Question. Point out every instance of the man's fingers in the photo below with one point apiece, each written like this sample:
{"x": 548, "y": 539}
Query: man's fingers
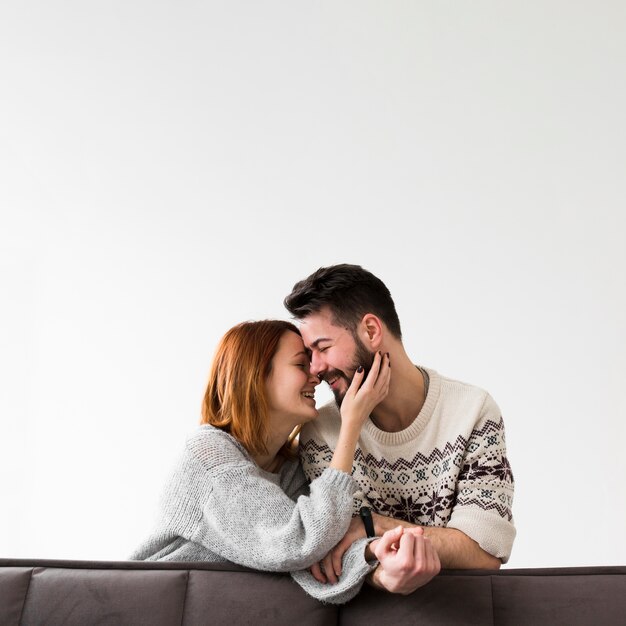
{"x": 384, "y": 545}
{"x": 413, "y": 565}
{"x": 406, "y": 549}
{"x": 419, "y": 550}
{"x": 426, "y": 557}
{"x": 432, "y": 558}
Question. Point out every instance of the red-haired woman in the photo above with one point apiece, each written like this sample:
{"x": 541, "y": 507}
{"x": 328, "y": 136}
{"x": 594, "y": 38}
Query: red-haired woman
{"x": 238, "y": 492}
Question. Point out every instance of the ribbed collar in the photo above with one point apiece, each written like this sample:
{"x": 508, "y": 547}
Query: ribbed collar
{"x": 419, "y": 423}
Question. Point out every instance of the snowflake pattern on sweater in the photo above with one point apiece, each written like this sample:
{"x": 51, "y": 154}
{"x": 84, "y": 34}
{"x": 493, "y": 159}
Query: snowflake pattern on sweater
{"x": 449, "y": 468}
{"x": 430, "y": 484}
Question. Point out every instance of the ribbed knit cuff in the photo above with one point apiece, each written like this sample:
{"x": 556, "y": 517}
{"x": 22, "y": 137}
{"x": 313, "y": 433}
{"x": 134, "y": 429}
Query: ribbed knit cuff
{"x": 492, "y": 533}
{"x": 339, "y": 480}
{"x": 354, "y": 571}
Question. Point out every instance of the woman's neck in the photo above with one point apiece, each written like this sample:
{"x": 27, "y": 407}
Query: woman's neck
{"x": 271, "y": 461}
{"x": 270, "y": 465}
{"x": 279, "y": 427}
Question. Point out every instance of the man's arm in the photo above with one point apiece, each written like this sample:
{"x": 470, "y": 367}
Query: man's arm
{"x": 455, "y": 549}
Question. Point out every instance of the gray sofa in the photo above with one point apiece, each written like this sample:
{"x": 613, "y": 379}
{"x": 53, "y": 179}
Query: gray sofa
{"x": 82, "y": 593}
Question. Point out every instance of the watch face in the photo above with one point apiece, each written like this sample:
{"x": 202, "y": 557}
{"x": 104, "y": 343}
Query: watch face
{"x": 366, "y": 516}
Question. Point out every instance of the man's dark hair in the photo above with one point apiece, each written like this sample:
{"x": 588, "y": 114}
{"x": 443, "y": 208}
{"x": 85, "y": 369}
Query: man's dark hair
{"x": 349, "y": 292}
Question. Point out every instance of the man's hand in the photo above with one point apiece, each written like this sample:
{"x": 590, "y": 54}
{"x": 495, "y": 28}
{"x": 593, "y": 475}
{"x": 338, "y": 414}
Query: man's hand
{"x": 407, "y": 560}
{"x": 329, "y": 568}
{"x": 455, "y": 549}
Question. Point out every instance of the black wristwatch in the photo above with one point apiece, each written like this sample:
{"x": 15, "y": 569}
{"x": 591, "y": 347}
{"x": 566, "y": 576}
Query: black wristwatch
{"x": 366, "y": 515}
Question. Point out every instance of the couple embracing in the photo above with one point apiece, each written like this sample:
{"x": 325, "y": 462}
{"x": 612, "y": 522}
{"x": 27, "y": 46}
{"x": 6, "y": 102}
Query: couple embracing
{"x": 403, "y": 474}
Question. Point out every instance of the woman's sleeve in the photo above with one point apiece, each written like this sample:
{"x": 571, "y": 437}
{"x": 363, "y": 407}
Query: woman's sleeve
{"x": 354, "y": 571}
{"x": 248, "y": 519}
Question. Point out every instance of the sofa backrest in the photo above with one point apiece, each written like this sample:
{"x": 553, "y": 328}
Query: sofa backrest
{"x": 525, "y": 597}
{"x": 82, "y": 593}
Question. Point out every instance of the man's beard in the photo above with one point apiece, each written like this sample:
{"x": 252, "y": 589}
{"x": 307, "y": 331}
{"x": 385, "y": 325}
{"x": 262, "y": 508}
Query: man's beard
{"x": 362, "y": 356}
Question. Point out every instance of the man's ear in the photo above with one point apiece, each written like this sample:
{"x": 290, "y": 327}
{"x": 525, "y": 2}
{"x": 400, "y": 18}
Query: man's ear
{"x": 371, "y": 331}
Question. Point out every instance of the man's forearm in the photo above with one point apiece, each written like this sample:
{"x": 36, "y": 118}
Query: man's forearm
{"x": 455, "y": 549}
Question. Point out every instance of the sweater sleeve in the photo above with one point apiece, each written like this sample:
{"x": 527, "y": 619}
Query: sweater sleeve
{"x": 484, "y": 494}
{"x": 354, "y": 570}
{"x": 248, "y": 519}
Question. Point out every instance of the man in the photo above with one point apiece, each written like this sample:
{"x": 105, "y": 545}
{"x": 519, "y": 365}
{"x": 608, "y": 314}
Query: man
{"x": 432, "y": 453}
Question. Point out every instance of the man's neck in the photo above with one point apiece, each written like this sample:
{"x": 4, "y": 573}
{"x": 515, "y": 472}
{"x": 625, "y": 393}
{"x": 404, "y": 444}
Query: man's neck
{"x": 405, "y": 398}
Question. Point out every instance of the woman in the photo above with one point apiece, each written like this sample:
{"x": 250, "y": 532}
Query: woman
{"x": 238, "y": 492}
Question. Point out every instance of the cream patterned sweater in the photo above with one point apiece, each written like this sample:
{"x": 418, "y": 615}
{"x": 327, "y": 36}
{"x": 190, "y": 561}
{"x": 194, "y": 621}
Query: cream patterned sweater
{"x": 448, "y": 468}
{"x": 219, "y": 505}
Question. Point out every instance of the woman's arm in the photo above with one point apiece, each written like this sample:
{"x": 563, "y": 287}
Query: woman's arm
{"x": 355, "y": 571}
{"x": 222, "y": 500}
{"x": 225, "y": 502}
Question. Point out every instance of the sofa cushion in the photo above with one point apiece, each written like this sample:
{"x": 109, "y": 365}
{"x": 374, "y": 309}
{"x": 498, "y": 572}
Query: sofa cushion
{"x": 75, "y": 597}
{"x": 81, "y": 593}
{"x": 13, "y": 587}
{"x": 447, "y": 599}
{"x": 560, "y": 596}
{"x": 194, "y": 594}
{"x": 252, "y": 598}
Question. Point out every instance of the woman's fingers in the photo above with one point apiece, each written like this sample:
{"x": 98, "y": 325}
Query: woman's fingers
{"x": 337, "y": 555}
{"x": 377, "y": 378}
{"x": 377, "y": 383}
{"x": 377, "y": 375}
{"x": 327, "y": 565}
{"x": 375, "y": 369}
{"x": 357, "y": 379}
{"x": 316, "y": 572}
{"x": 366, "y": 392}
{"x": 384, "y": 374}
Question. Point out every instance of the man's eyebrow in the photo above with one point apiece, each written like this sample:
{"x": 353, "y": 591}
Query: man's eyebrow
{"x": 317, "y": 342}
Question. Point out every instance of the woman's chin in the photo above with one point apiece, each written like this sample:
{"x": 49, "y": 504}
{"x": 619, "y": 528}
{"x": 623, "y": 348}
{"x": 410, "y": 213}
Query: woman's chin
{"x": 310, "y": 416}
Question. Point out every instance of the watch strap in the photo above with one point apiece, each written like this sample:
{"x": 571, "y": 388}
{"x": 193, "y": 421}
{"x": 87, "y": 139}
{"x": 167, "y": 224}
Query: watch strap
{"x": 366, "y": 515}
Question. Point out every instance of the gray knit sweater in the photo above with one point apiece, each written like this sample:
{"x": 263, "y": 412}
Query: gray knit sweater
{"x": 219, "y": 506}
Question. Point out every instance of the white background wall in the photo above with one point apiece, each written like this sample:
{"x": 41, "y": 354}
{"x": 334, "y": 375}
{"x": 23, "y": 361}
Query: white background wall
{"x": 168, "y": 169}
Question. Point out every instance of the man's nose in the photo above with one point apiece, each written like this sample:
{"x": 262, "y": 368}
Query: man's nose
{"x": 318, "y": 366}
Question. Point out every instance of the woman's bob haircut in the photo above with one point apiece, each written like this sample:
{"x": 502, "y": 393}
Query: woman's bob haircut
{"x": 236, "y": 396}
